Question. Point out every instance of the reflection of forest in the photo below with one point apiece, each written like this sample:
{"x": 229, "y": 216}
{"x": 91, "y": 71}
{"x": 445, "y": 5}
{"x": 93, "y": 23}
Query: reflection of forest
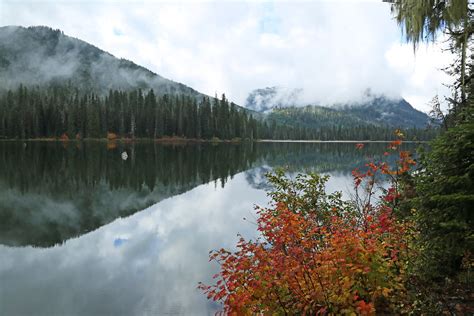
{"x": 50, "y": 192}
{"x": 322, "y": 157}
{"x": 340, "y": 158}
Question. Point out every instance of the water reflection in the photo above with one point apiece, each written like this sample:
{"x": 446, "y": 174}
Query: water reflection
{"x": 154, "y": 269}
{"x": 130, "y": 262}
{"x": 50, "y": 192}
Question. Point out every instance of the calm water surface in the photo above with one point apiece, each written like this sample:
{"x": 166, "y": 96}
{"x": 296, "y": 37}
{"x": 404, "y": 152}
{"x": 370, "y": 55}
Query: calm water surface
{"x": 85, "y": 232}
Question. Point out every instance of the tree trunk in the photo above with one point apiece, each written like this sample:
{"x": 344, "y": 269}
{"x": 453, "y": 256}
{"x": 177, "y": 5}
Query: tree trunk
{"x": 463, "y": 61}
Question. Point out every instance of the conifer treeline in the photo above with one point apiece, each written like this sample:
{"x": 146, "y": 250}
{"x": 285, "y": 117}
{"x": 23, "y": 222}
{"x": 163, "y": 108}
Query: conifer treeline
{"x": 35, "y": 113}
{"x": 43, "y": 113}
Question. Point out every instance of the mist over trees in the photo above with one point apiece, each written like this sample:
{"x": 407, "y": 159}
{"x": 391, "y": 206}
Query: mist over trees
{"x": 28, "y": 113}
{"x": 53, "y": 85}
{"x": 45, "y": 57}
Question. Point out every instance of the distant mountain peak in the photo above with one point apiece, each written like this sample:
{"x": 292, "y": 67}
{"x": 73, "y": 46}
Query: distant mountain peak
{"x": 371, "y": 108}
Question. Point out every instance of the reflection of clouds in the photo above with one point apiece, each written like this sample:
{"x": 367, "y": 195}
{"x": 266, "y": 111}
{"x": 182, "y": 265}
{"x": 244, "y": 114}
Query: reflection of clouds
{"x": 162, "y": 254}
{"x": 338, "y": 181}
{"x": 33, "y": 214}
{"x": 342, "y": 182}
{"x": 256, "y": 178}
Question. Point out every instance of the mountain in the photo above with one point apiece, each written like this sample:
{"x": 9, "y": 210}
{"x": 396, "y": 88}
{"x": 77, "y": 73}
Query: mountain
{"x": 42, "y": 56}
{"x": 281, "y": 106}
{"x": 66, "y": 93}
{"x": 392, "y": 112}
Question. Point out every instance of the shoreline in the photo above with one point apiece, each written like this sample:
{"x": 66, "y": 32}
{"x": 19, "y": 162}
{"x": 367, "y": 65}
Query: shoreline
{"x": 126, "y": 140}
{"x": 175, "y": 140}
{"x": 335, "y": 141}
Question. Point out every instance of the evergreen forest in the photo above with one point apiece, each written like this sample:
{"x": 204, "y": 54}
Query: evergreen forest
{"x": 66, "y": 113}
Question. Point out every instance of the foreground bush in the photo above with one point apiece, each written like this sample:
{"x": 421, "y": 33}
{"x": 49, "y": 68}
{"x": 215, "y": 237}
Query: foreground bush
{"x": 318, "y": 254}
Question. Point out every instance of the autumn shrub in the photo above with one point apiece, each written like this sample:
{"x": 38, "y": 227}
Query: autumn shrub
{"x": 319, "y": 254}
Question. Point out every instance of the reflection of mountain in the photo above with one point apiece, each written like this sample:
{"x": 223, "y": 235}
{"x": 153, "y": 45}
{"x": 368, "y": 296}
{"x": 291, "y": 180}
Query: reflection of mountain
{"x": 50, "y": 192}
{"x": 323, "y": 157}
{"x": 316, "y": 157}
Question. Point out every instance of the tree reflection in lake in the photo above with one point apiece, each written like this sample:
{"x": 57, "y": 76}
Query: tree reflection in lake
{"x": 50, "y": 192}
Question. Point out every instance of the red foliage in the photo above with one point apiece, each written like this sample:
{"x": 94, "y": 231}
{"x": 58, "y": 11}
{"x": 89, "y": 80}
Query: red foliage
{"x": 302, "y": 265}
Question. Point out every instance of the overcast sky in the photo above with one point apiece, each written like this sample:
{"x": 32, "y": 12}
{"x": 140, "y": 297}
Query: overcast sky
{"x": 333, "y": 50}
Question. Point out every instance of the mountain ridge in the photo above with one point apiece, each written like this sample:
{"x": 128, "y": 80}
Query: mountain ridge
{"x": 40, "y": 55}
{"x": 372, "y": 109}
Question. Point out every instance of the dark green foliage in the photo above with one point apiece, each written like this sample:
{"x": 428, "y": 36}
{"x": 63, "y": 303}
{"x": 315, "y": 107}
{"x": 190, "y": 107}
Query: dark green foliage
{"x": 445, "y": 198}
{"x": 441, "y": 193}
{"x": 306, "y": 194}
{"x": 43, "y": 113}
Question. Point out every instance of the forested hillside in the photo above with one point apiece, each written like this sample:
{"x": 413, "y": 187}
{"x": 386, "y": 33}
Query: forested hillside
{"x": 27, "y": 113}
{"x": 286, "y": 105}
{"x": 331, "y": 123}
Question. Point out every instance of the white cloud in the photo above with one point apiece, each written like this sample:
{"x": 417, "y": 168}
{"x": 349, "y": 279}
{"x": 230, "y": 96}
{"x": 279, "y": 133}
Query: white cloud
{"x": 423, "y": 72}
{"x": 334, "y": 50}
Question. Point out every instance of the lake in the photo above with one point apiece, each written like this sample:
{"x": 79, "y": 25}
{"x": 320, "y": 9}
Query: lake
{"x": 88, "y": 230}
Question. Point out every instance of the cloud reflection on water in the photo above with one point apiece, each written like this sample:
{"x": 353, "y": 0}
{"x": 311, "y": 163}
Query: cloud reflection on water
{"x": 154, "y": 272}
